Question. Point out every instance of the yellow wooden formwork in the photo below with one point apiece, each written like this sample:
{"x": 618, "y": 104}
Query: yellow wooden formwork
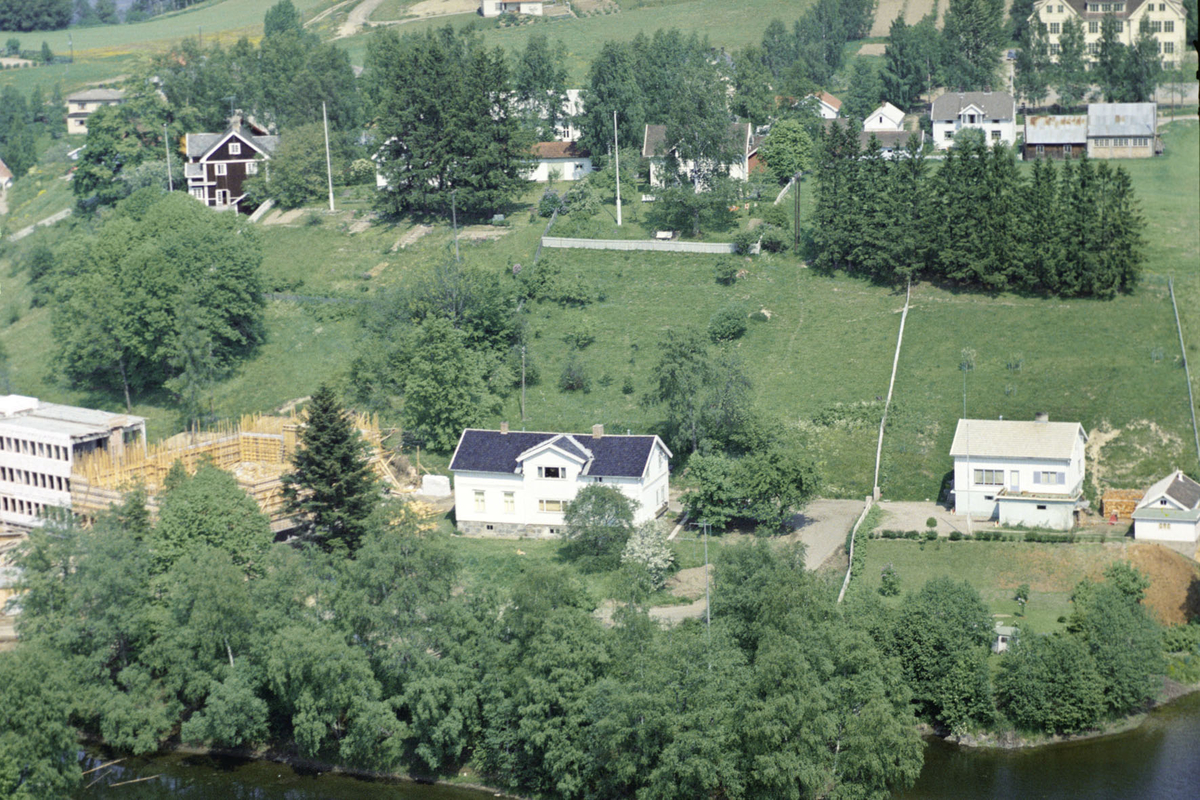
{"x": 256, "y": 450}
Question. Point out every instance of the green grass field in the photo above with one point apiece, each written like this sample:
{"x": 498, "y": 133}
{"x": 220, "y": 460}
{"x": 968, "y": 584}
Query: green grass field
{"x": 996, "y": 569}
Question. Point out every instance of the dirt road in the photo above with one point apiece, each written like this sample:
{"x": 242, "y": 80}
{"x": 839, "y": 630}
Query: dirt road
{"x": 357, "y": 18}
{"x": 823, "y": 527}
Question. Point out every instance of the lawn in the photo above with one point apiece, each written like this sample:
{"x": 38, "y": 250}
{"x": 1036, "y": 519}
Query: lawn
{"x": 995, "y": 569}
{"x": 728, "y": 25}
{"x": 223, "y": 19}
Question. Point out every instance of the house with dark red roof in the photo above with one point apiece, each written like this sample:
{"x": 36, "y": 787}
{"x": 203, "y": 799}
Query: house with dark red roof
{"x": 560, "y": 161}
{"x": 518, "y": 483}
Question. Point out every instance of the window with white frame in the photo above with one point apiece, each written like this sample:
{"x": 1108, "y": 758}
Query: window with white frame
{"x": 552, "y": 473}
{"x": 251, "y": 167}
{"x": 989, "y": 477}
{"x": 550, "y": 506}
{"x": 1169, "y": 26}
{"x": 995, "y": 136}
{"x": 480, "y": 500}
{"x": 1156, "y": 26}
{"x": 1055, "y": 28}
{"x": 1050, "y": 478}
{"x": 1093, "y": 27}
{"x": 1164, "y": 526}
{"x": 221, "y": 169}
{"x": 510, "y": 503}
{"x": 222, "y": 197}
{"x": 235, "y": 148}
{"x": 1054, "y": 48}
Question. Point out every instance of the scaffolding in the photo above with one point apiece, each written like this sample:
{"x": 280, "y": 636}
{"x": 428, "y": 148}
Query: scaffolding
{"x": 256, "y": 450}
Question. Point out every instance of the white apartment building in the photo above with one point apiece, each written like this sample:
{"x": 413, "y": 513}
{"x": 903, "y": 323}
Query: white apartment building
{"x": 1167, "y": 19}
{"x": 39, "y": 444}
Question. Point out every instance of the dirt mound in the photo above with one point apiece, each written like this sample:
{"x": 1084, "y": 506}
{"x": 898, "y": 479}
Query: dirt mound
{"x": 1171, "y": 596}
{"x": 687, "y": 583}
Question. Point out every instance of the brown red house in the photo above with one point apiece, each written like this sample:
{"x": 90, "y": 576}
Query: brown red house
{"x": 219, "y": 163}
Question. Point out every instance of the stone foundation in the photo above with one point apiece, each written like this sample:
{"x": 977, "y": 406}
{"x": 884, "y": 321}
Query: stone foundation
{"x": 508, "y": 530}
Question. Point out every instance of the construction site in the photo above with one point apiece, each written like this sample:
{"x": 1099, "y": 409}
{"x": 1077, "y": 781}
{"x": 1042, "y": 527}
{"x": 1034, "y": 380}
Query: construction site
{"x": 257, "y": 450}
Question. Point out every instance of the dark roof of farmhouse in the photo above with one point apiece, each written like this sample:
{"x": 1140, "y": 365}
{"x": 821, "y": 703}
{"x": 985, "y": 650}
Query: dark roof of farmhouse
{"x": 654, "y": 143}
{"x": 994, "y": 105}
{"x": 493, "y": 451}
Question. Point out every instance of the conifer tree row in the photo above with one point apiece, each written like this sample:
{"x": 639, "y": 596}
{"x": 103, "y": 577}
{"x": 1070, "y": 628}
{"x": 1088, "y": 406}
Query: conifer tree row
{"x": 976, "y": 220}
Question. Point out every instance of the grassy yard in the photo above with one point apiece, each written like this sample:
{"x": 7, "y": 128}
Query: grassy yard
{"x": 996, "y": 569}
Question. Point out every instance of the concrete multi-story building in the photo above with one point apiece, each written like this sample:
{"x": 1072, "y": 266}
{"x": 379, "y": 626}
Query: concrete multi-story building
{"x": 1167, "y": 20}
{"x": 81, "y": 105}
{"x": 39, "y": 445}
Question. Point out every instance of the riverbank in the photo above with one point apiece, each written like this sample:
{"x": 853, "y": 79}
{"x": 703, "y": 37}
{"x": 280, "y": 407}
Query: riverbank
{"x": 1012, "y": 740}
{"x": 309, "y": 766}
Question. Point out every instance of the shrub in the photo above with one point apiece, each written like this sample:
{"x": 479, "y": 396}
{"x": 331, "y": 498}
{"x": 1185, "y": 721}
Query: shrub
{"x": 648, "y": 548}
{"x": 581, "y": 334}
{"x": 727, "y": 324}
{"x": 550, "y": 201}
{"x": 744, "y": 242}
{"x": 627, "y": 386}
{"x": 889, "y": 581}
{"x": 726, "y": 272}
{"x": 777, "y": 216}
{"x": 931, "y": 523}
{"x": 773, "y": 239}
{"x": 955, "y": 536}
{"x": 574, "y": 377}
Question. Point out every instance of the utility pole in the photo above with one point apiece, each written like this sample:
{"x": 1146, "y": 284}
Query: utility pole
{"x": 454, "y": 218}
{"x": 167, "y": 147}
{"x": 966, "y": 365}
{"x": 707, "y": 600}
{"x": 522, "y": 386}
{"x": 617, "y": 156}
{"x": 328, "y": 160}
{"x": 71, "y": 44}
{"x": 796, "y": 210}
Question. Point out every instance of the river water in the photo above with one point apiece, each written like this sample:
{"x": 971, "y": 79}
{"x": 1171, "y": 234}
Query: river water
{"x": 1160, "y": 760}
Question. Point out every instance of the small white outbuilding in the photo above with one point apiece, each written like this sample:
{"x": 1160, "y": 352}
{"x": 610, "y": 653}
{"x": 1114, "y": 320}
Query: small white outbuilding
{"x": 1170, "y": 510}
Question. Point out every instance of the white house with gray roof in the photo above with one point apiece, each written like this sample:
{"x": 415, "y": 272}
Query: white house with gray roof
{"x": 994, "y": 113}
{"x": 1169, "y": 511}
{"x": 518, "y": 483}
{"x": 1019, "y": 472}
{"x": 39, "y": 443}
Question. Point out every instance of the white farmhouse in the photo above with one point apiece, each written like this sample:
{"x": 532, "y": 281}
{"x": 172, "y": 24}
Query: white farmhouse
{"x": 994, "y": 113}
{"x": 827, "y": 106}
{"x": 1170, "y": 510}
{"x": 743, "y": 147}
{"x": 1019, "y": 472}
{"x": 510, "y": 483}
{"x": 39, "y": 443}
{"x": 494, "y": 8}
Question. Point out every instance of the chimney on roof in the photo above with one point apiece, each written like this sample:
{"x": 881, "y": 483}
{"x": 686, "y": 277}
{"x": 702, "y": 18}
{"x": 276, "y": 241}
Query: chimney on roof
{"x": 1041, "y": 416}
{"x": 597, "y": 431}
{"x": 504, "y": 429}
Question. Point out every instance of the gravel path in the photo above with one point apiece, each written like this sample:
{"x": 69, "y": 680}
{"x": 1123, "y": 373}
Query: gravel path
{"x": 823, "y": 527}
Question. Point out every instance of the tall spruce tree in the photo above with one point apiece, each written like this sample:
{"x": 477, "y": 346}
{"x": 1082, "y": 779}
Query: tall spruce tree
{"x": 835, "y": 216}
{"x": 974, "y": 33}
{"x": 331, "y": 489}
{"x": 1070, "y": 78}
{"x": 1110, "y": 68}
{"x": 1032, "y": 80}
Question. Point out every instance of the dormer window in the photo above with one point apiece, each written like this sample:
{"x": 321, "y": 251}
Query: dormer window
{"x": 552, "y": 473}
{"x": 235, "y": 148}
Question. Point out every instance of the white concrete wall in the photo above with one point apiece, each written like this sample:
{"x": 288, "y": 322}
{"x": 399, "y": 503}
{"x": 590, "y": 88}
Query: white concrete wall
{"x": 570, "y": 169}
{"x": 1165, "y": 531}
{"x": 1031, "y": 514}
{"x": 1006, "y": 128}
{"x": 35, "y": 468}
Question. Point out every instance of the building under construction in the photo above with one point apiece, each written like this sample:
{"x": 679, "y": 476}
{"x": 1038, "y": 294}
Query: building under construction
{"x": 257, "y": 450}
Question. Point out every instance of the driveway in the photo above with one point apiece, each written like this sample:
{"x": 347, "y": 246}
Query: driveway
{"x": 906, "y": 516}
{"x": 823, "y": 527}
